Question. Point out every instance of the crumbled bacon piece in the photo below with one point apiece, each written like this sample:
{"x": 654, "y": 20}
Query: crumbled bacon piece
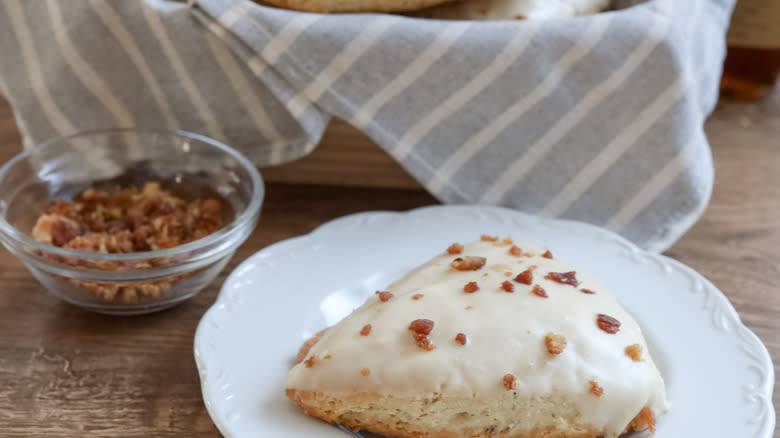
{"x": 525, "y": 277}
{"x": 507, "y": 286}
{"x": 547, "y": 254}
{"x": 507, "y": 240}
{"x": 384, "y": 296}
{"x": 421, "y": 328}
{"x": 455, "y": 248}
{"x": 515, "y": 251}
{"x": 569, "y": 278}
{"x": 555, "y": 343}
{"x": 327, "y": 356}
{"x": 634, "y": 351}
{"x": 63, "y": 231}
{"x": 650, "y": 419}
{"x": 460, "y": 338}
{"x": 587, "y": 291}
{"x": 510, "y": 382}
{"x": 644, "y": 420}
{"x": 608, "y": 323}
{"x": 311, "y": 361}
{"x": 468, "y": 263}
{"x": 365, "y": 372}
{"x": 471, "y": 287}
{"x": 486, "y": 238}
{"x": 539, "y": 291}
{"x": 595, "y": 389}
{"x": 366, "y": 330}
{"x": 423, "y": 342}
{"x": 417, "y": 296}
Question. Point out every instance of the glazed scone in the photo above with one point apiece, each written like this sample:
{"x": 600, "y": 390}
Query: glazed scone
{"x": 490, "y": 339}
{"x": 513, "y": 9}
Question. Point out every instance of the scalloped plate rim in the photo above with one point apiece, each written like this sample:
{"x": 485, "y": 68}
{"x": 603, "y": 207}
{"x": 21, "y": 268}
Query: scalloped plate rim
{"x": 723, "y": 302}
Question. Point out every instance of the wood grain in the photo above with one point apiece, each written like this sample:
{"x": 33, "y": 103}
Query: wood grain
{"x": 345, "y": 157}
{"x": 65, "y": 372}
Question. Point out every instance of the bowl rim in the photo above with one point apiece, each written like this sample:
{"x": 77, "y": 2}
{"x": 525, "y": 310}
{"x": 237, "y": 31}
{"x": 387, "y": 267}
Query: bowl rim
{"x": 246, "y": 216}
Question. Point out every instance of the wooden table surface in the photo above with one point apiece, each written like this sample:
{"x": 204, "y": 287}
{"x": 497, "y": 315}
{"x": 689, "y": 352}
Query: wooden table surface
{"x": 65, "y": 372}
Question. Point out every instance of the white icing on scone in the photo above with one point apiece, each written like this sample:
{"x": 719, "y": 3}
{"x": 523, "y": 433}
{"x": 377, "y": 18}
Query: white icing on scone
{"x": 505, "y": 335}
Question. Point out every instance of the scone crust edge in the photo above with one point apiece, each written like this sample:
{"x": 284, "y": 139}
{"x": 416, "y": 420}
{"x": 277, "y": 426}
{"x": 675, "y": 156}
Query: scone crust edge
{"x": 356, "y": 6}
{"x": 328, "y": 409}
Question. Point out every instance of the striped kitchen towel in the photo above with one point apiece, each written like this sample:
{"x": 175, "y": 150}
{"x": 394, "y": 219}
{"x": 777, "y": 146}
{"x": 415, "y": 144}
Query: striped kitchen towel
{"x": 595, "y": 118}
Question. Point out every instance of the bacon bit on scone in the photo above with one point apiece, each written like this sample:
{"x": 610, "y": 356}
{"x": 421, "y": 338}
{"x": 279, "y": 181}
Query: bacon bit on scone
{"x": 525, "y": 277}
{"x": 421, "y": 328}
{"x": 507, "y": 241}
{"x": 417, "y": 296}
{"x": 634, "y": 352}
{"x": 515, "y": 251}
{"x": 384, "y": 296}
{"x": 510, "y": 382}
{"x": 555, "y": 343}
{"x": 423, "y": 342}
{"x": 365, "y": 372}
{"x": 468, "y": 263}
{"x": 311, "y": 361}
{"x": 486, "y": 238}
{"x": 644, "y": 420}
{"x": 508, "y": 287}
{"x": 455, "y": 248}
{"x": 569, "y": 278}
{"x": 366, "y": 330}
{"x": 595, "y": 389}
{"x": 547, "y": 254}
{"x": 539, "y": 291}
{"x": 608, "y": 323}
{"x": 471, "y": 287}
{"x": 588, "y": 291}
{"x": 327, "y": 356}
{"x": 461, "y": 339}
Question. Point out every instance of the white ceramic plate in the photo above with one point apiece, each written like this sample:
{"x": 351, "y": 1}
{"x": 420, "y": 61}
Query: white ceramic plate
{"x": 719, "y": 375}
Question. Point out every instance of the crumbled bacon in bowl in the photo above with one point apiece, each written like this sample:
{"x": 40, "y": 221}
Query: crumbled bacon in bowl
{"x": 128, "y": 221}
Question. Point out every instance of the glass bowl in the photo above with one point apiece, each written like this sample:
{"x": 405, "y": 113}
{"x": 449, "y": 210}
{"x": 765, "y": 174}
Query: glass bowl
{"x": 134, "y": 282}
